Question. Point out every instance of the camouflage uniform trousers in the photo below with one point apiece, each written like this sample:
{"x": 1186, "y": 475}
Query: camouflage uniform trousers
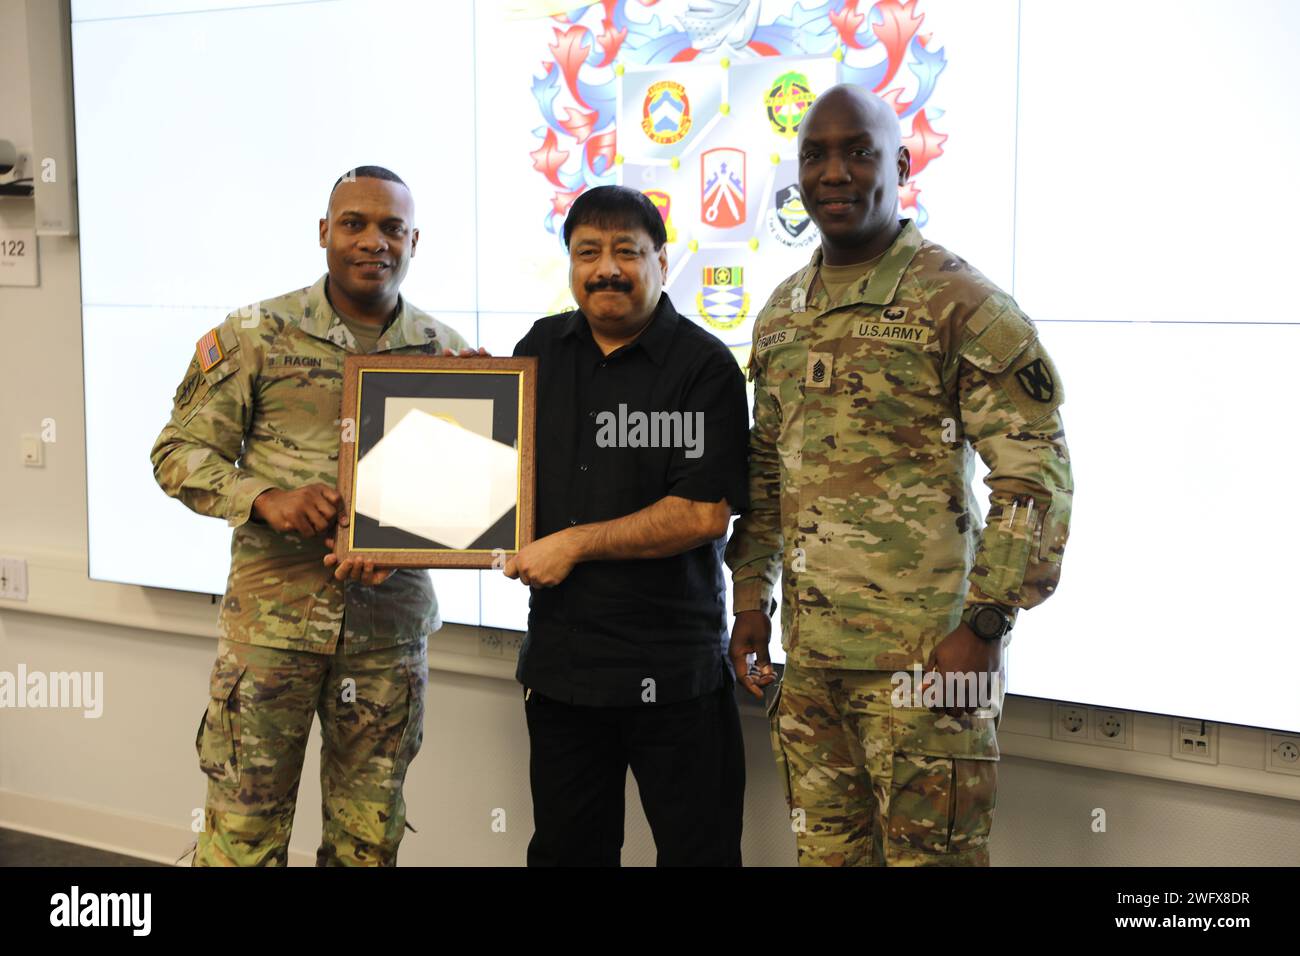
{"x": 870, "y": 784}
{"x": 253, "y": 738}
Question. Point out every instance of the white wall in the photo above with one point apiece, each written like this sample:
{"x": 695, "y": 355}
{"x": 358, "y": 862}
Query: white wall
{"x": 130, "y": 780}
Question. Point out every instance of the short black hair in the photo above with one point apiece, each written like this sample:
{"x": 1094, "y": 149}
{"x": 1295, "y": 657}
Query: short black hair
{"x": 616, "y": 207}
{"x": 368, "y": 172}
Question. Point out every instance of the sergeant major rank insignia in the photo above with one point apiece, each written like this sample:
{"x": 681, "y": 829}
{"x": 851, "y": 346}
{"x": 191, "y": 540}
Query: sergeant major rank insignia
{"x": 818, "y": 373}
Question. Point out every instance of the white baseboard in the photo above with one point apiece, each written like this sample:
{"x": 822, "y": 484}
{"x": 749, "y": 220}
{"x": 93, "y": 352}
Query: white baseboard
{"x": 100, "y": 829}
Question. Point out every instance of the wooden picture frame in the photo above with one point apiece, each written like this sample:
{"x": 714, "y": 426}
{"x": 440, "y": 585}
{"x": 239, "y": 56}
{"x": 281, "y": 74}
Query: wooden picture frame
{"x": 496, "y": 397}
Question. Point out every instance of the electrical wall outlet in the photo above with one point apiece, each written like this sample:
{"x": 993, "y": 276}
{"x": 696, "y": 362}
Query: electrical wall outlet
{"x": 489, "y": 643}
{"x": 1283, "y": 754}
{"x": 1195, "y": 740}
{"x": 33, "y": 454}
{"x": 511, "y": 644}
{"x": 13, "y": 579}
{"x": 1111, "y": 728}
{"x": 1069, "y": 722}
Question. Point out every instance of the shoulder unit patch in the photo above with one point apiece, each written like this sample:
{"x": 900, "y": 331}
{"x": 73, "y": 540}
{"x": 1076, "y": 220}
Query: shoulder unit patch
{"x": 1037, "y": 380}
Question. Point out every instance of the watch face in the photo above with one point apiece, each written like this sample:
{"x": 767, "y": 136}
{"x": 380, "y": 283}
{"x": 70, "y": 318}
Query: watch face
{"x": 989, "y": 622}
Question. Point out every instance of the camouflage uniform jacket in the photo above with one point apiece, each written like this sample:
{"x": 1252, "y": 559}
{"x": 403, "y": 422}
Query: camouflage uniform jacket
{"x": 259, "y": 408}
{"x": 865, "y": 413}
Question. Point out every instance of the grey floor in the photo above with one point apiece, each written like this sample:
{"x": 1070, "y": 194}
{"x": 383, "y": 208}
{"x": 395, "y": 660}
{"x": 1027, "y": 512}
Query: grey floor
{"x": 24, "y": 849}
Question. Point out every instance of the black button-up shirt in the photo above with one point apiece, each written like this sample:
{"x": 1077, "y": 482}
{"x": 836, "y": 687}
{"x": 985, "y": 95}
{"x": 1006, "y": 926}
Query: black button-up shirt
{"x": 612, "y": 627}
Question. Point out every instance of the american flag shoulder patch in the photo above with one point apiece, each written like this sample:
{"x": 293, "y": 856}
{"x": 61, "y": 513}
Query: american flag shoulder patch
{"x": 209, "y": 351}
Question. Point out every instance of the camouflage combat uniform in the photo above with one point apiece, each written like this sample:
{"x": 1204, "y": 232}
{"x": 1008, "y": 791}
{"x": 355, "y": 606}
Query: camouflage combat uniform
{"x": 259, "y": 408}
{"x": 865, "y": 413}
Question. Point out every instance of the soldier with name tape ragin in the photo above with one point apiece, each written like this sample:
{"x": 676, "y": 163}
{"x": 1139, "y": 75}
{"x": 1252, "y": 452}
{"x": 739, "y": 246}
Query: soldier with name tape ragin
{"x": 879, "y": 370}
{"x": 254, "y": 439}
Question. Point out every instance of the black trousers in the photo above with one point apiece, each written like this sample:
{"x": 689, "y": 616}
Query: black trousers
{"x": 689, "y": 762}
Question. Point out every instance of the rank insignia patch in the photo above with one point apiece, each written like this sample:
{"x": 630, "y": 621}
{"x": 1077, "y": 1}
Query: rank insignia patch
{"x": 818, "y": 374}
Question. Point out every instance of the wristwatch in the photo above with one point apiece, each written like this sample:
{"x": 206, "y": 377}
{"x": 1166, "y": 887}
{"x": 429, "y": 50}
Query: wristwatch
{"x": 988, "y": 621}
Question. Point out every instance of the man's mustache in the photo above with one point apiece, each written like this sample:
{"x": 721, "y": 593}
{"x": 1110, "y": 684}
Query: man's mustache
{"x": 607, "y": 285}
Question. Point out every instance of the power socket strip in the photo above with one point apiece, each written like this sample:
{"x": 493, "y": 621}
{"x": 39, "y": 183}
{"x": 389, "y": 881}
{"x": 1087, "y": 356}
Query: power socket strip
{"x": 1099, "y": 726}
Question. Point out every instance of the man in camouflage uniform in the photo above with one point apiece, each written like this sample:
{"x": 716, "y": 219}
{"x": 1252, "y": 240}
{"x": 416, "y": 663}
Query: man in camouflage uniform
{"x": 254, "y": 438}
{"x": 877, "y": 368}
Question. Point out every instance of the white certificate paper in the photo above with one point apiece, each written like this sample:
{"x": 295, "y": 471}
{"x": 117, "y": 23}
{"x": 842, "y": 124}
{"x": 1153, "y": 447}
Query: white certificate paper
{"x": 437, "y": 480}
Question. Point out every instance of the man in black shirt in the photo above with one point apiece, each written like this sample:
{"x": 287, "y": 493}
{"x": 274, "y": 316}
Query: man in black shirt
{"x": 641, "y": 459}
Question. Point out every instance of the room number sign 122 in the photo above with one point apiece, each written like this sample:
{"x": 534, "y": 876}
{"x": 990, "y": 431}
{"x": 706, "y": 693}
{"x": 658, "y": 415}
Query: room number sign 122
{"x": 18, "y": 257}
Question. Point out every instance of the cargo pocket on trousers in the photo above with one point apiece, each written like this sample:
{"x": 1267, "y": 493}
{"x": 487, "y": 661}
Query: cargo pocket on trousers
{"x": 217, "y": 740}
{"x": 412, "y": 736}
{"x": 944, "y": 781}
{"x": 974, "y": 788}
{"x": 920, "y": 808}
{"x": 941, "y": 804}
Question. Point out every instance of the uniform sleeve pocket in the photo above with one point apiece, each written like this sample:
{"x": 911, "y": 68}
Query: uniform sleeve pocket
{"x": 1009, "y": 353}
{"x": 1000, "y": 567}
{"x": 1054, "y": 528}
{"x": 199, "y": 388}
{"x": 1003, "y": 337}
{"x": 217, "y": 740}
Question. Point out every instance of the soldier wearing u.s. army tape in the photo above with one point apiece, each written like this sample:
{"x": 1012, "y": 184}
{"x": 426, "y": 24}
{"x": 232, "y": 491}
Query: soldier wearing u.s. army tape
{"x": 254, "y": 438}
{"x": 877, "y": 369}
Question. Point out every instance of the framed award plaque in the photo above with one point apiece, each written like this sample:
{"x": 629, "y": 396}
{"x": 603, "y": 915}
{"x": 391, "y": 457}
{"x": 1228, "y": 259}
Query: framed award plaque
{"x": 436, "y": 460}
